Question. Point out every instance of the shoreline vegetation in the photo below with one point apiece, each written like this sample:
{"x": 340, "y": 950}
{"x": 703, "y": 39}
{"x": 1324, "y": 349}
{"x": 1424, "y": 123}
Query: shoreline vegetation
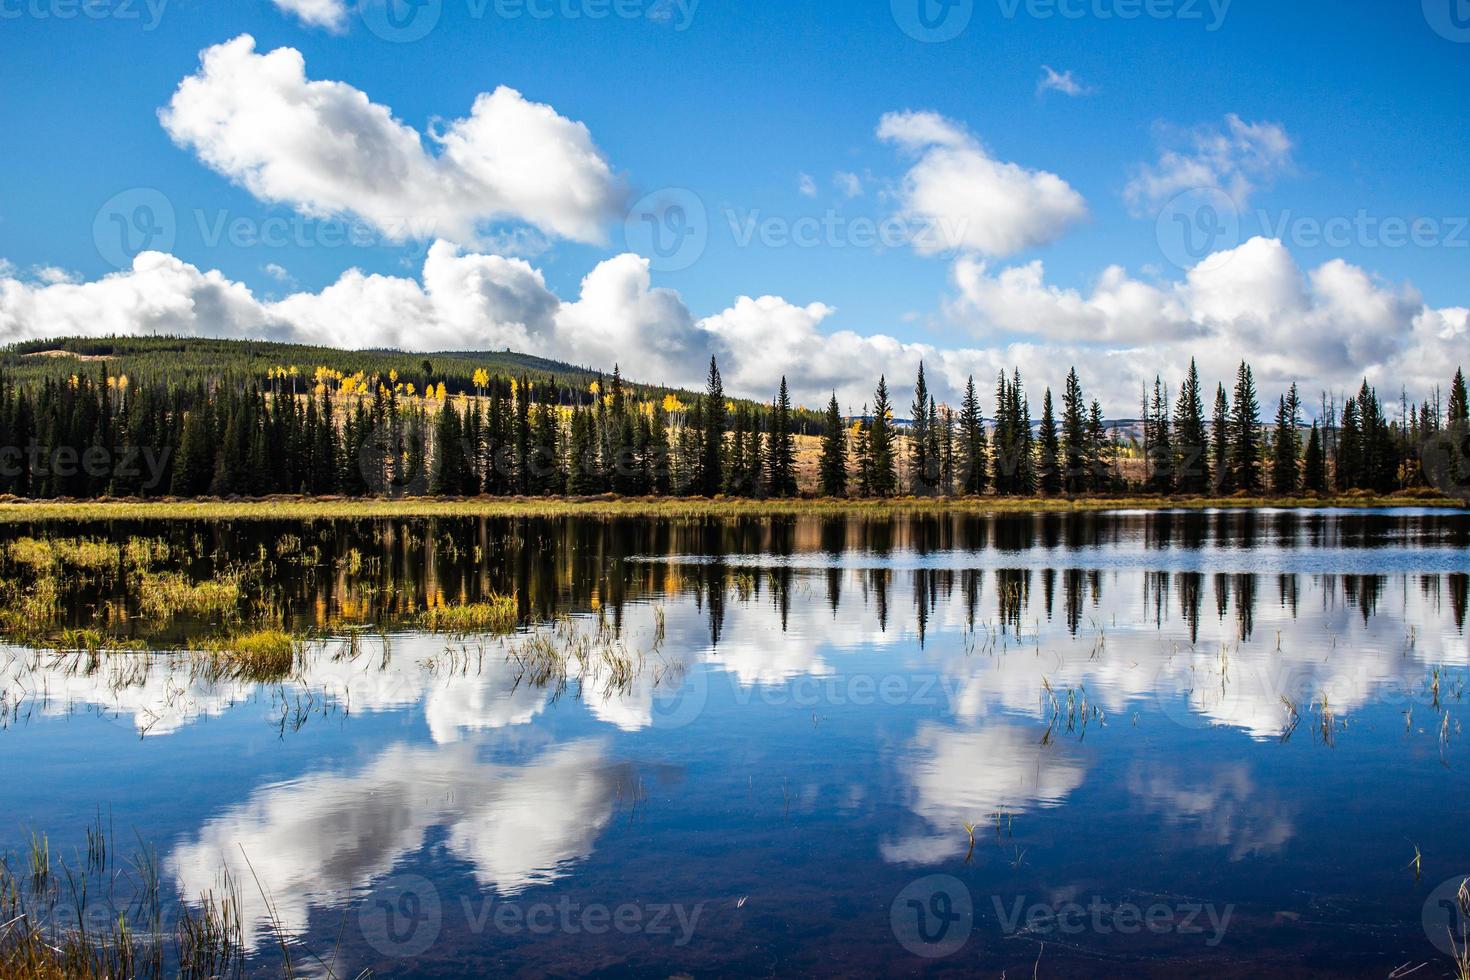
{"x": 297, "y": 508}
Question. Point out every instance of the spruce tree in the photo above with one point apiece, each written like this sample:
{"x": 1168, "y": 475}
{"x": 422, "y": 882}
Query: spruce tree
{"x": 1286, "y": 446}
{"x": 783, "y": 446}
{"x": 1160, "y": 443}
{"x": 1074, "y": 436}
{"x": 975, "y": 467}
{"x": 884, "y": 479}
{"x": 755, "y": 457}
{"x": 1101, "y": 451}
{"x": 712, "y": 463}
{"x": 1190, "y": 439}
{"x": 862, "y": 450}
{"x": 1315, "y": 476}
{"x": 195, "y": 466}
{"x": 448, "y": 476}
{"x": 1220, "y": 443}
{"x": 1459, "y": 408}
{"x": 921, "y": 466}
{"x": 834, "y": 452}
{"x": 1245, "y": 434}
{"x": 1049, "y": 474}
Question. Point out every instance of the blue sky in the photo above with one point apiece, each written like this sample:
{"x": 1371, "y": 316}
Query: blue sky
{"x": 734, "y": 104}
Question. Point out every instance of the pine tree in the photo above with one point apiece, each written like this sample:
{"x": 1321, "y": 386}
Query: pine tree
{"x": 783, "y": 446}
{"x": 975, "y": 467}
{"x": 1220, "y": 443}
{"x": 1101, "y": 451}
{"x": 1074, "y": 437}
{"x": 884, "y": 479}
{"x": 1190, "y": 439}
{"x": 1350, "y": 448}
{"x": 1459, "y": 408}
{"x": 1160, "y": 442}
{"x": 195, "y": 466}
{"x": 712, "y": 464}
{"x": 1286, "y": 446}
{"x": 755, "y": 457}
{"x": 582, "y": 475}
{"x": 862, "y": 450}
{"x": 921, "y": 466}
{"x": 834, "y": 452}
{"x": 1245, "y": 434}
{"x": 1049, "y": 468}
{"x": 1315, "y": 475}
{"x": 448, "y": 478}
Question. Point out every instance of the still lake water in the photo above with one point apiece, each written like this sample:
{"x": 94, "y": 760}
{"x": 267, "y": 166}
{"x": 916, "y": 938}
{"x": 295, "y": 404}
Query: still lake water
{"x": 1186, "y": 743}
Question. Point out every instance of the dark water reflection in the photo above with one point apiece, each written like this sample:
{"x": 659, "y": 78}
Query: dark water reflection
{"x": 1209, "y": 742}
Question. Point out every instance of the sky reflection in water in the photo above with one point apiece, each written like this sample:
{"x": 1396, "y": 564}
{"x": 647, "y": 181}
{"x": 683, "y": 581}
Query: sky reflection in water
{"x": 1258, "y": 715}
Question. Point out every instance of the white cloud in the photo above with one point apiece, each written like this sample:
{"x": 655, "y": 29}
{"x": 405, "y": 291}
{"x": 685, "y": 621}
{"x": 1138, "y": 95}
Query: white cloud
{"x": 850, "y": 185}
{"x": 1235, "y": 160}
{"x": 324, "y": 149}
{"x": 807, "y": 185}
{"x": 278, "y": 272}
{"x": 1325, "y": 327}
{"x": 1064, "y": 82}
{"x": 329, "y": 14}
{"x": 52, "y": 275}
{"x": 970, "y": 201}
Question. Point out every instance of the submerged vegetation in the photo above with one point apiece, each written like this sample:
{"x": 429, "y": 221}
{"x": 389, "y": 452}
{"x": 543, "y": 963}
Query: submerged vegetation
{"x": 96, "y": 917}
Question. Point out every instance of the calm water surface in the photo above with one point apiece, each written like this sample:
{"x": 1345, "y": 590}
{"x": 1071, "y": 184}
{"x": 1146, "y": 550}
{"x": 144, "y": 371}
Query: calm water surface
{"x": 1112, "y": 744}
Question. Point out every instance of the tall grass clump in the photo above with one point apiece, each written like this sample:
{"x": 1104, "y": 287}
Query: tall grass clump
{"x": 164, "y": 595}
{"x": 264, "y": 655}
{"x": 497, "y": 614}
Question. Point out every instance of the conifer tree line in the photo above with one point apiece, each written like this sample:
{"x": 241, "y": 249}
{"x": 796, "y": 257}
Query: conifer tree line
{"x": 96, "y": 434}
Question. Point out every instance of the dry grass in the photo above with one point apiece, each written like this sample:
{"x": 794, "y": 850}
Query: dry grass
{"x": 299, "y": 508}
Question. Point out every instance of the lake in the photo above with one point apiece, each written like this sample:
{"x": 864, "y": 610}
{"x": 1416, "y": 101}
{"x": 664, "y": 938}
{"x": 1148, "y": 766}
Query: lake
{"x": 1117, "y": 744}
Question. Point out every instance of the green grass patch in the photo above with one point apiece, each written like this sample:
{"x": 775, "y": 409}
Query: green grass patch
{"x": 498, "y": 614}
{"x": 263, "y": 655}
{"x": 164, "y": 595}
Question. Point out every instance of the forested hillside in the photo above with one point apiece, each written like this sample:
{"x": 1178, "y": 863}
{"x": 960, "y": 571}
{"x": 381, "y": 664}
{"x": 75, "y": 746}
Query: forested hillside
{"x": 159, "y": 417}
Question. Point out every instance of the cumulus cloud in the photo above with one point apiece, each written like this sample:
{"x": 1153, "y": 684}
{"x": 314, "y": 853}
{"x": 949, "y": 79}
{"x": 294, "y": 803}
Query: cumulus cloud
{"x": 970, "y": 201}
{"x": 1324, "y": 327}
{"x": 1328, "y": 326}
{"x": 1064, "y": 82}
{"x": 850, "y": 185}
{"x": 329, "y": 14}
{"x": 325, "y": 149}
{"x": 806, "y": 185}
{"x": 1236, "y": 160}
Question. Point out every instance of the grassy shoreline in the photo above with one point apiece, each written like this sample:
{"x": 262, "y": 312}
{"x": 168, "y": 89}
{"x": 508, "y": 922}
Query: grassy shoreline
{"x": 301, "y": 509}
